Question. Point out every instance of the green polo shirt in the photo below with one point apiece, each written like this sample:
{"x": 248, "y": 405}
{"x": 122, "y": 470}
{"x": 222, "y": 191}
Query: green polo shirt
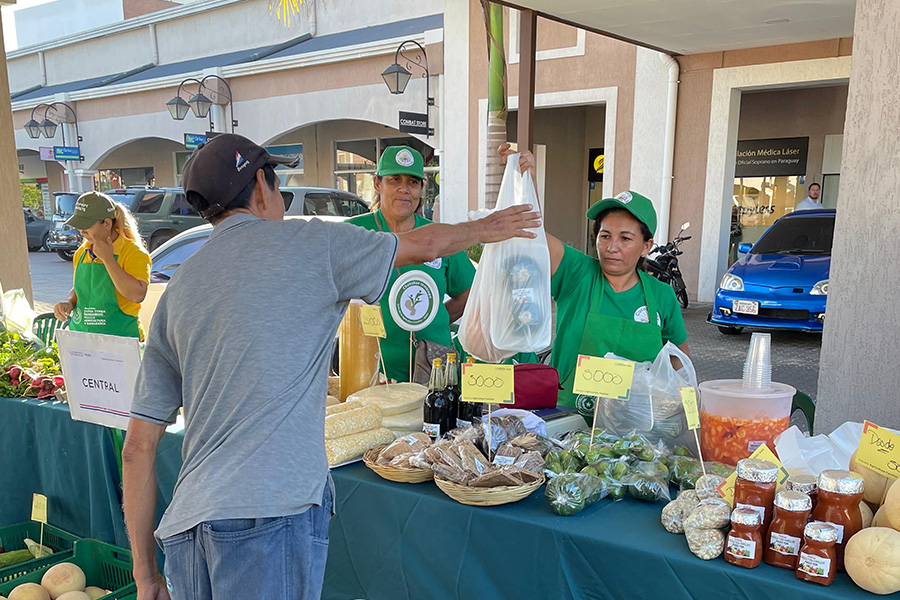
{"x": 453, "y": 275}
{"x": 572, "y": 288}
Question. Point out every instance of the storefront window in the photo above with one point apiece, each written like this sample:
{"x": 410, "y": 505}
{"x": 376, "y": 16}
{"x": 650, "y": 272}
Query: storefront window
{"x": 758, "y": 202}
{"x": 110, "y": 179}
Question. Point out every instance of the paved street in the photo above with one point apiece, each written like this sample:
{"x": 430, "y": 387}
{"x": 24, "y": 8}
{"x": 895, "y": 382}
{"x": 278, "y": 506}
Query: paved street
{"x": 795, "y": 356}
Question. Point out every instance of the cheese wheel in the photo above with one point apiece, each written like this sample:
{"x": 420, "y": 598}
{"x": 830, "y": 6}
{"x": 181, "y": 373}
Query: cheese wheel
{"x": 393, "y": 399}
{"x": 411, "y": 421}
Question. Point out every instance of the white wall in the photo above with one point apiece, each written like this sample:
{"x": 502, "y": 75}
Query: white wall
{"x": 64, "y": 17}
{"x": 33, "y": 167}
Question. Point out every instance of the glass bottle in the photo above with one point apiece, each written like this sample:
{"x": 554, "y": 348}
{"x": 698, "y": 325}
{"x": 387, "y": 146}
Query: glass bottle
{"x": 840, "y": 493}
{"x": 807, "y": 484}
{"x": 451, "y": 388}
{"x": 818, "y": 557}
{"x": 744, "y": 546}
{"x": 474, "y": 410}
{"x": 785, "y": 535}
{"x": 755, "y": 487}
{"x": 436, "y": 417}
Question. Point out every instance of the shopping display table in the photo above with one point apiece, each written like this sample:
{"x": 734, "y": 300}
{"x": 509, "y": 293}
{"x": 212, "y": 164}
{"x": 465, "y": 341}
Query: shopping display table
{"x": 396, "y": 541}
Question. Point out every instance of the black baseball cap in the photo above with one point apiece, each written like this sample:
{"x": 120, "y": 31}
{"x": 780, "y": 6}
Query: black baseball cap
{"x": 219, "y": 169}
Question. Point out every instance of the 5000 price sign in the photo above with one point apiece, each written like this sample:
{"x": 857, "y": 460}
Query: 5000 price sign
{"x": 603, "y": 377}
{"x": 492, "y": 384}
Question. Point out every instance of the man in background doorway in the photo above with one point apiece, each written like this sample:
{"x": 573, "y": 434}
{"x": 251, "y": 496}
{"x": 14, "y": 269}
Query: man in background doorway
{"x": 812, "y": 201}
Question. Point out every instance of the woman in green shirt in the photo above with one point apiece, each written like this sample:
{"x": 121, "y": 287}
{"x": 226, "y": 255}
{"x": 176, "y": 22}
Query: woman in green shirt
{"x": 605, "y": 305}
{"x": 400, "y": 183}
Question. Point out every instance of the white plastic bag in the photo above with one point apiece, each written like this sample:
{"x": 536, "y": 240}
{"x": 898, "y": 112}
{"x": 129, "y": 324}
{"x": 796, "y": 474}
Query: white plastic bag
{"x": 654, "y": 408}
{"x": 509, "y": 308}
{"x": 812, "y": 455}
{"x": 16, "y": 312}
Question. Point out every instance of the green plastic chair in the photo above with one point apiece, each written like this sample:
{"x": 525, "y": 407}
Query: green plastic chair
{"x": 805, "y": 404}
{"x": 45, "y": 326}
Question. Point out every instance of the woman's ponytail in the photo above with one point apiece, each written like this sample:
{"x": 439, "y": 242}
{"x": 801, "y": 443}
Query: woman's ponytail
{"x": 127, "y": 226}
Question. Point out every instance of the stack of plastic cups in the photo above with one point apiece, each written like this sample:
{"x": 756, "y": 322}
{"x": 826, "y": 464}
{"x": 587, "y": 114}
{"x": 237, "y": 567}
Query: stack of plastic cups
{"x": 758, "y": 366}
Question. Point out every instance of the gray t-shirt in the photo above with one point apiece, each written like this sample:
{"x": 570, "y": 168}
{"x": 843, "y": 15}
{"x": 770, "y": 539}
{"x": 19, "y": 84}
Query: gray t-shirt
{"x": 242, "y": 338}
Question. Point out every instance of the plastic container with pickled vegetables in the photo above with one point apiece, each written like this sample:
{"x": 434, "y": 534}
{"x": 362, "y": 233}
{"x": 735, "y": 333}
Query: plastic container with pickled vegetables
{"x": 735, "y": 421}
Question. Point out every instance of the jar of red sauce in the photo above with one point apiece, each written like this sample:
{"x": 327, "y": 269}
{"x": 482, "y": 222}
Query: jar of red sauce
{"x": 785, "y": 536}
{"x": 806, "y": 484}
{"x": 755, "y": 487}
{"x": 818, "y": 557}
{"x": 744, "y": 545}
{"x": 840, "y": 493}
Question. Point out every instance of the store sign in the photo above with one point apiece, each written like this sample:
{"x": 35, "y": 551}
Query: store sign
{"x": 771, "y": 158}
{"x": 100, "y": 372}
{"x": 46, "y": 153}
{"x": 46, "y": 200}
{"x": 595, "y": 165}
{"x": 192, "y": 141}
{"x": 66, "y": 153}
{"x": 413, "y": 123}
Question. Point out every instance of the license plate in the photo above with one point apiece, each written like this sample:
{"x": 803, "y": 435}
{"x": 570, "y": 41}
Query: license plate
{"x": 60, "y": 224}
{"x": 745, "y": 307}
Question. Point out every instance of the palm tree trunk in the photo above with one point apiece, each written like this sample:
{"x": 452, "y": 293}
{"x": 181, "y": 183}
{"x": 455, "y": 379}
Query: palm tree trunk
{"x": 497, "y": 106}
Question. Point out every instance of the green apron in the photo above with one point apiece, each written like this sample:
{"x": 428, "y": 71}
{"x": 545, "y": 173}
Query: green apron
{"x": 97, "y": 311}
{"x": 627, "y": 338}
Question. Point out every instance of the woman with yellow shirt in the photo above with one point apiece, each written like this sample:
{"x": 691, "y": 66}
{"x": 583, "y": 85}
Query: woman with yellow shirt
{"x": 112, "y": 270}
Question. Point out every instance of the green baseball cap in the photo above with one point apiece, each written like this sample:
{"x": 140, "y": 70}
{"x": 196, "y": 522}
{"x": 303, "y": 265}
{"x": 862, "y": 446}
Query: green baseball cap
{"x": 401, "y": 160}
{"x": 639, "y": 206}
{"x": 90, "y": 208}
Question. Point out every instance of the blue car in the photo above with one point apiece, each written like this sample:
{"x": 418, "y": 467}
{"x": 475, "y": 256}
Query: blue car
{"x": 781, "y": 281}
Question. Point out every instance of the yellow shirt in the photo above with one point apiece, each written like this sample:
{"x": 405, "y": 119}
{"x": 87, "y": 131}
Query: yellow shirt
{"x": 131, "y": 257}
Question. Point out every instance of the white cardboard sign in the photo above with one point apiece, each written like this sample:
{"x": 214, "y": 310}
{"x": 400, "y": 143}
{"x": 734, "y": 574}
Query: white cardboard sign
{"x": 100, "y": 371}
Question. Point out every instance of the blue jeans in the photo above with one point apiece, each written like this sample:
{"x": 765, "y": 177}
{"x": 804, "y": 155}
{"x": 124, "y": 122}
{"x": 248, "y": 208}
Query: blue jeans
{"x": 280, "y": 558}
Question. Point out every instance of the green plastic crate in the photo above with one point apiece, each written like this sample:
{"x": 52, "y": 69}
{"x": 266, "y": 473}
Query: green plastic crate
{"x": 104, "y": 565}
{"x": 12, "y": 538}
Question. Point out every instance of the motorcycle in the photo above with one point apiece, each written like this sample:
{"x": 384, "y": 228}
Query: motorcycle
{"x": 664, "y": 265}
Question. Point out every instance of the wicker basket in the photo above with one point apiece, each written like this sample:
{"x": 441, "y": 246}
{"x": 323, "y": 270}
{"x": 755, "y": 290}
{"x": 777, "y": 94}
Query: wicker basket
{"x": 393, "y": 473}
{"x": 494, "y": 496}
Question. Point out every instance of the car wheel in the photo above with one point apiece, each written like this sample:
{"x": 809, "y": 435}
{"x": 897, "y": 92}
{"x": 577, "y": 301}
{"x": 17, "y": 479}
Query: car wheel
{"x": 66, "y": 254}
{"x": 44, "y": 241}
{"x": 730, "y": 330}
{"x": 158, "y": 239}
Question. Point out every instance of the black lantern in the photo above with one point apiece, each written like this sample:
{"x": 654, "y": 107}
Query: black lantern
{"x": 48, "y": 128}
{"x": 200, "y": 105}
{"x": 396, "y": 78}
{"x": 33, "y": 129}
{"x": 178, "y": 108}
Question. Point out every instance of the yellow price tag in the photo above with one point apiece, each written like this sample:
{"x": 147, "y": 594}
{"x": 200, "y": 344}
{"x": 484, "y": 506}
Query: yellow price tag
{"x": 763, "y": 452}
{"x": 39, "y": 508}
{"x": 691, "y": 411}
{"x": 490, "y": 384}
{"x": 603, "y": 377}
{"x": 879, "y": 449}
{"x": 372, "y": 322}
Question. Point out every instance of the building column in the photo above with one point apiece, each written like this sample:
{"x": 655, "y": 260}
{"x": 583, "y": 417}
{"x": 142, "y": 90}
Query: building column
{"x": 454, "y": 107}
{"x": 14, "y": 270}
{"x": 858, "y": 374}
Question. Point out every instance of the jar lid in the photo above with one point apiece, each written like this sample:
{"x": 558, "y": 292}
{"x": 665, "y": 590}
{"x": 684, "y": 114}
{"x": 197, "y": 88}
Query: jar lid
{"x": 757, "y": 470}
{"x": 746, "y": 516}
{"x": 821, "y": 532}
{"x": 793, "y": 501}
{"x": 841, "y": 482}
{"x": 801, "y": 482}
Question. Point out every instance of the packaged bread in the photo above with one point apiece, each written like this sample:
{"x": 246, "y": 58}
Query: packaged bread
{"x": 507, "y": 454}
{"x": 349, "y": 447}
{"x": 352, "y": 421}
{"x": 501, "y": 476}
{"x": 451, "y": 473}
{"x": 472, "y": 459}
{"x": 530, "y": 461}
{"x": 411, "y": 421}
{"x": 532, "y": 442}
{"x": 393, "y": 399}
{"x": 343, "y": 406}
{"x": 412, "y": 443}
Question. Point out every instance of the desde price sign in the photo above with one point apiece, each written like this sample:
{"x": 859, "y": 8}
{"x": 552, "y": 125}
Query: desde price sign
{"x": 603, "y": 377}
{"x": 39, "y": 508}
{"x": 372, "y": 321}
{"x": 879, "y": 449}
{"x": 489, "y": 384}
{"x": 691, "y": 411}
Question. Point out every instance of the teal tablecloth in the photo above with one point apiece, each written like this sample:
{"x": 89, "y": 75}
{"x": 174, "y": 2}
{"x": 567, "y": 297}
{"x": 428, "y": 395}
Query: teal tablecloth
{"x": 394, "y": 541}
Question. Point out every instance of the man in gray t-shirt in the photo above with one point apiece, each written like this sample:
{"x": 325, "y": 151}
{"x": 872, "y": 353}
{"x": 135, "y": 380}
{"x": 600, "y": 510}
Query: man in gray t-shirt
{"x": 241, "y": 340}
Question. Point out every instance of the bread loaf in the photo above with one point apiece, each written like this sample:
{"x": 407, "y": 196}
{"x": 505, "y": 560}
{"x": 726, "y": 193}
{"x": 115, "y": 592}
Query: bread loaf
{"x": 353, "y": 421}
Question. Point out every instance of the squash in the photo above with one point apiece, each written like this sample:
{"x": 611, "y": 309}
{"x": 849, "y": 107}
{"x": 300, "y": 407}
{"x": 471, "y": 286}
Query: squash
{"x": 866, "y": 513}
{"x": 875, "y": 483}
{"x": 29, "y": 591}
{"x": 879, "y": 520}
{"x": 872, "y": 559}
{"x": 892, "y": 505}
{"x": 61, "y": 578}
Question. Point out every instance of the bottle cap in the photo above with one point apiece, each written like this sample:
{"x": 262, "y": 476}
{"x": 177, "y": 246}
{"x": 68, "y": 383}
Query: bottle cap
{"x": 793, "y": 501}
{"x": 746, "y": 516}
{"x": 437, "y": 362}
{"x": 757, "y": 470}
{"x": 837, "y": 481}
{"x": 821, "y": 532}
{"x": 451, "y": 357}
{"x": 801, "y": 482}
